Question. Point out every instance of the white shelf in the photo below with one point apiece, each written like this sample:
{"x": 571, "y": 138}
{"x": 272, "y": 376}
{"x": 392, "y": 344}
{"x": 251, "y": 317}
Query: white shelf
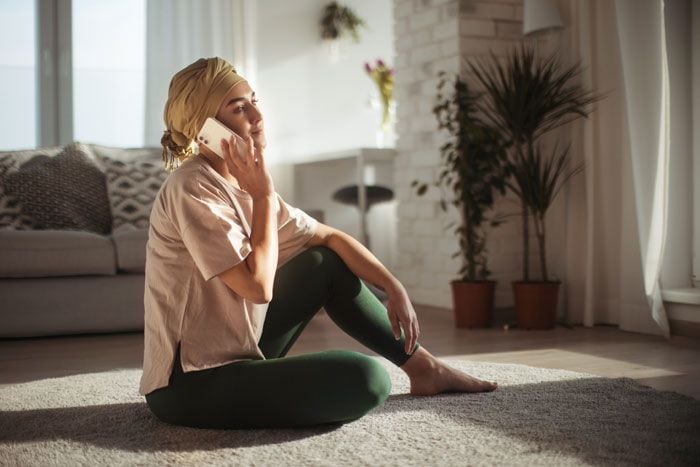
{"x": 368, "y": 155}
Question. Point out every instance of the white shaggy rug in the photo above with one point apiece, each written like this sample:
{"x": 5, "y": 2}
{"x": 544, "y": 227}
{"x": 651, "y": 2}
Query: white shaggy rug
{"x": 537, "y": 416}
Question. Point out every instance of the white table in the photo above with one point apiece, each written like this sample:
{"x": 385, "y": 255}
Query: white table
{"x": 318, "y": 176}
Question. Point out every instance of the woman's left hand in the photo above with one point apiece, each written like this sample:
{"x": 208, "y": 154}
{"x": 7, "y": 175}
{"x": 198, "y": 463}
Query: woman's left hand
{"x": 402, "y": 315}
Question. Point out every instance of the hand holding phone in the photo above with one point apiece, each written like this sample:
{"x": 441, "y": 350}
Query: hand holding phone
{"x": 245, "y": 162}
{"x": 213, "y": 131}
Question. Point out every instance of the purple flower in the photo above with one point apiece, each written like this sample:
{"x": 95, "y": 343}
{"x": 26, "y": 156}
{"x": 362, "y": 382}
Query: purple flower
{"x": 380, "y": 62}
{"x": 368, "y": 68}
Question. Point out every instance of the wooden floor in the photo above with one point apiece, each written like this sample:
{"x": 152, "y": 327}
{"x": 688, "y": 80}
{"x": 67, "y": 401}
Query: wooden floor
{"x": 603, "y": 350}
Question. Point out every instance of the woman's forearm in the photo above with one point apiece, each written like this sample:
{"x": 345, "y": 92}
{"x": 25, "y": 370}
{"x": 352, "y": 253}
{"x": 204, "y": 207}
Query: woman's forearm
{"x": 262, "y": 260}
{"x": 363, "y": 263}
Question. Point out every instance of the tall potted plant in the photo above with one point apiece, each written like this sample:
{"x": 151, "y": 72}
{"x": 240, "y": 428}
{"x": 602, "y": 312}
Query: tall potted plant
{"x": 526, "y": 97}
{"x": 475, "y": 168}
{"x": 537, "y": 180}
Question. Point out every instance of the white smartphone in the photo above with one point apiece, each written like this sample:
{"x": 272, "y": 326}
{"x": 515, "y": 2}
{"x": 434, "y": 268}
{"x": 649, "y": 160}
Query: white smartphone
{"x": 213, "y": 131}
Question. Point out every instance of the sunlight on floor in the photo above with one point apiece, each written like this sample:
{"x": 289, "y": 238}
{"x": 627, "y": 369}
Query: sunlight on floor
{"x": 573, "y": 361}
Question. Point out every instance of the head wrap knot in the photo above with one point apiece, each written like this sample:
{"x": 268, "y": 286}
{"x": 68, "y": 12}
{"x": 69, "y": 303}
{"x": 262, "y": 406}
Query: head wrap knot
{"x": 195, "y": 93}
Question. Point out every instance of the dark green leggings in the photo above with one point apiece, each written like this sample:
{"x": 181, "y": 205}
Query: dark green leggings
{"x": 334, "y": 386}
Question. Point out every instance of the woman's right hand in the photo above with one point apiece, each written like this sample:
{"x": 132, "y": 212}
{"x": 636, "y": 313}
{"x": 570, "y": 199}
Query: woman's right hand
{"x": 249, "y": 169}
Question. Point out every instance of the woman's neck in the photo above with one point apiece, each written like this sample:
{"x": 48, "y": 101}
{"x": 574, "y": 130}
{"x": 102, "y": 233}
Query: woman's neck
{"x": 219, "y": 165}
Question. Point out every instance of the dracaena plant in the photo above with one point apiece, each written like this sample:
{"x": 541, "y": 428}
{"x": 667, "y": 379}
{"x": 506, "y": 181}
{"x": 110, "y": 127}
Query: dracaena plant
{"x": 536, "y": 181}
{"x": 475, "y": 168}
{"x": 524, "y": 98}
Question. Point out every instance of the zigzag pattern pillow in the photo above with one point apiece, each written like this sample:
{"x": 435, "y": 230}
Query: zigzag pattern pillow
{"x": 11, "y": 216}
{"x": 64, "y": 192}
{"x": 132, "y": 187}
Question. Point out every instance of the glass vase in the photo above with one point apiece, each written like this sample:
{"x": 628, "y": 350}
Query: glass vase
{"x": 385, "y": 133}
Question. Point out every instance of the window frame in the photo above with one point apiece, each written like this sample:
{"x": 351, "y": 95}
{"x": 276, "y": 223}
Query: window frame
{"x": 54, "y": 72}
{"x": 695, "y": 135}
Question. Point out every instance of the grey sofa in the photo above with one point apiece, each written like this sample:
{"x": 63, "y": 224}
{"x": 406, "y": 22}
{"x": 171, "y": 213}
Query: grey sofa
{"x": 68, "y": 281}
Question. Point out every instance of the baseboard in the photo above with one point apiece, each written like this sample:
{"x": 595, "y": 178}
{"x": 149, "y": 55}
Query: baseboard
{"x": 504, "y": 316}
{"x": 684, "y": 328}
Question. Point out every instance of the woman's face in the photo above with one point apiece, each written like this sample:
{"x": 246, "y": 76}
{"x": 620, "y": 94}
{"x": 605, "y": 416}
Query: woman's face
{"x": 239, "y": 111}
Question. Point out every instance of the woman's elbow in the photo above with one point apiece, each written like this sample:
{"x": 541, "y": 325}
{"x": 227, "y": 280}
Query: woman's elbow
{"x": 264, "y": 300}
{"x": 263, "y": 296}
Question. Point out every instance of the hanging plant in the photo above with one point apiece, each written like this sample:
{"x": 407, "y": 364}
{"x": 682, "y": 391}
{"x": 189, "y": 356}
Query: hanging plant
{"x": 338, "y": 20}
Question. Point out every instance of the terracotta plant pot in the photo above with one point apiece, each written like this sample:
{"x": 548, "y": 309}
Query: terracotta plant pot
{"x": 536, "y": 303}
{"x": 473, "y": 303}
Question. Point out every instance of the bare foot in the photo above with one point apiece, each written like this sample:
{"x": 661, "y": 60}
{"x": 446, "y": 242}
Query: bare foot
{"x": 430, "y": 376}
{"x": 447, "y": 379}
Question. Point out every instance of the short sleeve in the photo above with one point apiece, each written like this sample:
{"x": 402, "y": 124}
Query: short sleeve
{"x": 211, "y": 228}
{"x": 295, "y": 227}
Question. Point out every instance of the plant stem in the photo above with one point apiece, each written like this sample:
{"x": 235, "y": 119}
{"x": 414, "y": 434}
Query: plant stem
{"x": 525, "y": 220}
{"x": 469, "y": 253}
{"x": 539, "y": 229}
{"x": 526, "y": 242}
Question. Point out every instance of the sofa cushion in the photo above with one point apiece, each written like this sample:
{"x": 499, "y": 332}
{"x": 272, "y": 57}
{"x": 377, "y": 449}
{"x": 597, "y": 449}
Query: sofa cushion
{"x": 132, "y": 186}
{"x": 153, "y": 154}
{"x": 46, "y": 253}
{"x": 11, "y": 215}
{"x": 64, "y": 192}
{"x": 131, "y": 249}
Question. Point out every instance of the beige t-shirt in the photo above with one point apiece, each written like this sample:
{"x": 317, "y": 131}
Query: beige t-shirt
{"x": 200, "y": 226}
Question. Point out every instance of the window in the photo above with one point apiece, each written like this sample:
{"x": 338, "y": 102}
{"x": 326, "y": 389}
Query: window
{"x": 102, "y": 93}
{"x": 695, "y": 132}
{"x": 681, "y": 269}
{"x": 109, "y": 60}
{"x": 18, "y": 119}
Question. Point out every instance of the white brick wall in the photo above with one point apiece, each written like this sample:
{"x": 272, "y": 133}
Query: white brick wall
{"x": 434, "y": 35}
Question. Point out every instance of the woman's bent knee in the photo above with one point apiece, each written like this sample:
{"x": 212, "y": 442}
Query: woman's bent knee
{"x": 378, "y": 382}
{"x": 325, "y": 256}
{"x": 318, "y": 260}
{"x": 371, "y": 381}
{"x": 331, "y": 265}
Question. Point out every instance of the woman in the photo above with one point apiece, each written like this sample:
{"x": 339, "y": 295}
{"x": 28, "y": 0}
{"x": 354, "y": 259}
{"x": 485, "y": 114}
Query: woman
{"x": 234, "y": 274}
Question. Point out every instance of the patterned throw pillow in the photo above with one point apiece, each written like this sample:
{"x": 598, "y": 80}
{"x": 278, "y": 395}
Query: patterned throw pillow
{"x": 11, "y": 216}
{"x": 64, "y": 192}
{"x": 132, "y": 187}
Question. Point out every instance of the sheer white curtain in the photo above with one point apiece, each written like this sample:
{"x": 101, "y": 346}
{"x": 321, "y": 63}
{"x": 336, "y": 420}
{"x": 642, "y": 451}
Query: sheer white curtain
{"x": 645, "y": 69}
{"x": 616, "y": 213}
{"x": 181, "y": 31}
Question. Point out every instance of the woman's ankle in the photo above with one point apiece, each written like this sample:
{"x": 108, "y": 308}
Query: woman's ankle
{"x": 419, "y": 363}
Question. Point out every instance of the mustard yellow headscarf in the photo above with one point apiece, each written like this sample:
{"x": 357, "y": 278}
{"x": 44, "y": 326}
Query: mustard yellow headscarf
{"x": 195, "y": 93}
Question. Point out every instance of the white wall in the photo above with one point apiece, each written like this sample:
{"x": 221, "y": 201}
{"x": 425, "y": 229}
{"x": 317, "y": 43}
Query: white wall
{"x": 311, "y": 105}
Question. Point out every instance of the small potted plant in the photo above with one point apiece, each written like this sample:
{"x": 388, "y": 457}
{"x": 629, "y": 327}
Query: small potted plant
{"x": 475, "y": 169}
{"x": 525, "y": 98}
